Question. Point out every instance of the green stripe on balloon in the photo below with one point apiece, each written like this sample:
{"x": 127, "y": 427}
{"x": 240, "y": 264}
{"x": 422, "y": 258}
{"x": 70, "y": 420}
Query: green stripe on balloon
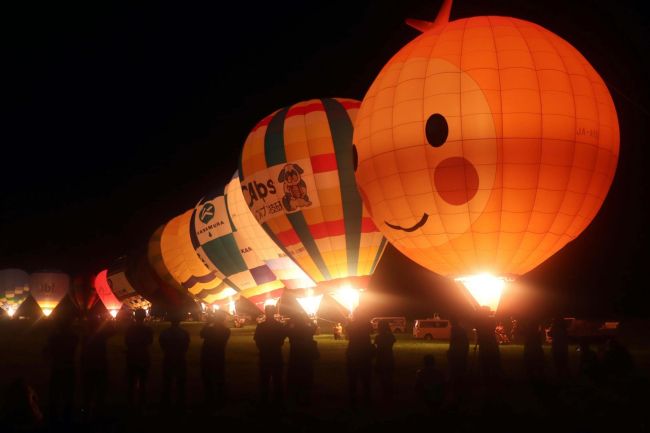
{"x": 341, "y": 129}
{"x": 380, "y": 251}
{"x": 224, "y": 253}
{"x": 275, "y": 154}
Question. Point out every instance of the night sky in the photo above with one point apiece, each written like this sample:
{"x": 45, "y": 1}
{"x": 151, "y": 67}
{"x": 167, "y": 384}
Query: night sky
{"x": 120, "y": 116}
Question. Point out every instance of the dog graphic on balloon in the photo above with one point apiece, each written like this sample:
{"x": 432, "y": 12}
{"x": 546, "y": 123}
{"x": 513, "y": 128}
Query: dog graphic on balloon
{"x": 295, "y": 188}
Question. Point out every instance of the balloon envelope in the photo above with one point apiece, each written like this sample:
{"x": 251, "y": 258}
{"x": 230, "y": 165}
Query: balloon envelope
{"x": 14, "y": 289}
{"x": 105, "y": 293}
{"x": 48, "y": 288}
{"x": 485, "y": 145}
{"x": 185, "y": 266}
{"x": 297, "y": 178}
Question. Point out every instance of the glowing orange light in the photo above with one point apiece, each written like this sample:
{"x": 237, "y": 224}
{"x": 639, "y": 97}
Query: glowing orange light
{"x": 486, "y": 289}
{"x": 348, "y": 297}
{"x": 113, "y": 313}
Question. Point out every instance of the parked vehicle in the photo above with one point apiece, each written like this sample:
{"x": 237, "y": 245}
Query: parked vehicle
{"x": 581, "y": 329}
{"x": 432, "y": 329}
{"x": 397, "y": 324}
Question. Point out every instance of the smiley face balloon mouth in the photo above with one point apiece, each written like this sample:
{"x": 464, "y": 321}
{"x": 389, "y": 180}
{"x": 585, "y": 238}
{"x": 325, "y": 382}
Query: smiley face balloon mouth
{"x": 413, "y": 228}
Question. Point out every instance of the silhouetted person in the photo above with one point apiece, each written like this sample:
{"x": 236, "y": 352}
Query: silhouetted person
{"x": 359, "y": 358}
{"x": 560, "y": 347}
{"x": 215, "y": 336}
{"x": 269, "y": 338}
{"x": 618, "y": 364}
{"x": 302, "y": 354}
{"x": 138, "y": 338}
{"x": 337, "y": 331}
{"x": 174, "y": 342}
{"x": 60, "y": 351}
{"x": 534, "y": 354}
{"x": 94, "y": 365}
{"x": 489, "y": 357}
{"x": 457, "y": 353}
{"x": 384, "y": 360}
{"x": 589, "y": 363}
{"x": 430, "y": 383}
{"x": 21, "y": 411}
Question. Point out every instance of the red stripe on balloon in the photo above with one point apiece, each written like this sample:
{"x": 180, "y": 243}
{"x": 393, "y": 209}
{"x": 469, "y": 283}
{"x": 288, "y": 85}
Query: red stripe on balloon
{"x": 301, "y": 110}
{"x": 289, "y": 237}
{"x": 349, "y": 104}
{"x": 327, "y": 229}
{"x": 323, "y": 163}
{"x": 368, "y": 226}
{"x": 263, "y": 122}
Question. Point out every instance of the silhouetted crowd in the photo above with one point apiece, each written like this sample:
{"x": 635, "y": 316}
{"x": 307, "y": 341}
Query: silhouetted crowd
{"x": 368, "y": 360}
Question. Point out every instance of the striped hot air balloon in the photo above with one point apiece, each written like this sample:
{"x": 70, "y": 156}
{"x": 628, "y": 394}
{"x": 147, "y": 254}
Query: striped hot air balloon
{"x": 14, "y": 289}
{"x": 224, "y": 250}
{"x": 185, "y": 266}
{"x": 254, "y": 235}
{"x": 297, "y": 178}
{"x": 122, "y": 283}
{"x": 48, "y": 288}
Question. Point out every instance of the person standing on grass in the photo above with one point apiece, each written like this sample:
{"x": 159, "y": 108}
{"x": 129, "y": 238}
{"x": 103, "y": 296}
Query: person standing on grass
{"x": 174, "y": 342}
{"x": 384, "y": 361}
{"x": 94, "y": 365}
{"x": 303, "y": 352}
{"x": 359, "y": 358}
{"x": 457, "y": 353}
{"x": 269, "y": 338}
{"x": 138, "y": 338}
{"x": 430, "y": 384}
{"x": 560, "y": 348}
{"x": 215, "y": 336}
{"x": 534, "y": 355}
{"x": 60, "y": 350}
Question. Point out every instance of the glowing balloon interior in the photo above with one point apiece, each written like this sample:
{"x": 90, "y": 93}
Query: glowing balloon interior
{"x": 14, "y": 289}
{"x": 485, "y": 144}
{"x": 48, "y": 288}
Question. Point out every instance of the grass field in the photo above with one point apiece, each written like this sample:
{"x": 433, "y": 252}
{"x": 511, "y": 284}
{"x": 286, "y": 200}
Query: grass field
{"x": 21, "y": 343}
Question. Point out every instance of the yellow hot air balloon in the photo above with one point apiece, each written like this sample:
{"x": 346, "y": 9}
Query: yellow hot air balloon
{"x": 484, "y": 146}
{"x": 297, "y": 178}
{"x": 185, "y": 266}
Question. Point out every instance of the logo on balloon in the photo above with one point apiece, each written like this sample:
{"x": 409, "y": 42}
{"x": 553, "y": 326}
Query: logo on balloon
{"x": 207, "y": 213}
{"x": 295, "y": 189}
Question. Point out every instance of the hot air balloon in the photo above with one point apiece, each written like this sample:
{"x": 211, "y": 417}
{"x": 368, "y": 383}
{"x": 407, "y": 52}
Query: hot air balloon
{"x": 14, "y": 289}
{"x": 82, "y": 293}
{"x": 122, "y": 284}
{"x": 185, "y": 266}
{"x": 297, "y": 178}
{"x": 105, "y": 293}
{"x": 48, "y": 288}
{"x": 484, "y": 146}
{"x": 223, "y": 250}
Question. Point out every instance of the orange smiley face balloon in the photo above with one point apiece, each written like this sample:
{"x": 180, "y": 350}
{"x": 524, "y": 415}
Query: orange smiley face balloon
{"x": 485, "y": 145}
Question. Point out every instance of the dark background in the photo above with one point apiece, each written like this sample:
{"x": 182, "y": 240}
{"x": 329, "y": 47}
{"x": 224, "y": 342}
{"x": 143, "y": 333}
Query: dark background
{"x": 117, "y": 116}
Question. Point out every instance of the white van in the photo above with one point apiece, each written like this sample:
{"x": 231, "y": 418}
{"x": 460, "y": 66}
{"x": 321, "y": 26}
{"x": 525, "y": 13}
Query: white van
{"x": 396, "y": 324}
{"x": 432, "y": 329}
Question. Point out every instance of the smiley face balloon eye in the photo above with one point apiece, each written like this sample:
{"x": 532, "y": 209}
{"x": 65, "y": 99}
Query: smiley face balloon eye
{"x": 436, "y": 130}
{"x": 355, "y": 157}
